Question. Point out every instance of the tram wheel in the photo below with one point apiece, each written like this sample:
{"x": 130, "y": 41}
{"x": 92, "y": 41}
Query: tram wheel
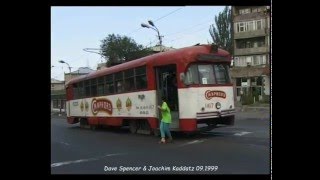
{"x": 133, "y": 126}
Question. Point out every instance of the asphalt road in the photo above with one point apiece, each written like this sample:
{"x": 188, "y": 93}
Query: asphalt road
{"x": 240, "y": 149}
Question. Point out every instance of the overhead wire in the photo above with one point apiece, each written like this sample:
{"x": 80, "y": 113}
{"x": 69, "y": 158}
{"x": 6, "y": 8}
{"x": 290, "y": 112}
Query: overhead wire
{"x": 183, "y": 36}
{"x": 155, "y": 20}
{"x": 170, "y": 34}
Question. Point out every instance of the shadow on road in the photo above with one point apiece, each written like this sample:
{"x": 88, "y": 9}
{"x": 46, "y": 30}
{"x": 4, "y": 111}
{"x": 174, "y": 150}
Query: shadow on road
{"x": 176, "y": 135}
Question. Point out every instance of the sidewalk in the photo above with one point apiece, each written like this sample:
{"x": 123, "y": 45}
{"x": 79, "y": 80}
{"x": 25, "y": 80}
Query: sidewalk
{"x": 64, "y": 115}
{"x": 253, "y": 107}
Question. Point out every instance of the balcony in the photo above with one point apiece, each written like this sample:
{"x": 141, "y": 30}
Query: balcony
{"x": 247, "y": 51}
{"x": 250, "y": 34}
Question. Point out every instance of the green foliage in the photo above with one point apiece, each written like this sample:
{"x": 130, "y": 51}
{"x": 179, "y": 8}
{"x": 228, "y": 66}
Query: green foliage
{"x": 255, "y": 95}
{"x": 266, "y": 99}
{"x": 221, "y": 31}
{"x": 118, "y": 49}
{"x": 247, "y": 99}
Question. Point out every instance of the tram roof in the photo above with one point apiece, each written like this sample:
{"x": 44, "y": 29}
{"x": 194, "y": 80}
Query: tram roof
{"x": 186, "y": 54}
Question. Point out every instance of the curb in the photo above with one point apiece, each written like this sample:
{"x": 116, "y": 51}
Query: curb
{"x": 252, "y": 109}
{"x": 59, "y": 115}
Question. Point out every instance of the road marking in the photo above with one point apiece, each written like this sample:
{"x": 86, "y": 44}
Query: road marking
{"x": 65, "y": 143}
{"x": 84, "y": 160}
{"x": 192, "y": 142}
{"x": 242, "y": 133}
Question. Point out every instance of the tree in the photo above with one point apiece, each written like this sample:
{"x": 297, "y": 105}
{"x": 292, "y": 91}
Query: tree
{"x": 118, "y": 49}
{"x": 221, "y": 32}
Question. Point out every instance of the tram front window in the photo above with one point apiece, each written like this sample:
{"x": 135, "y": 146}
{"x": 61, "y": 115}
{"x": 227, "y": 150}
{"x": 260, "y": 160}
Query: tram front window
{"x": 207, "y": 74}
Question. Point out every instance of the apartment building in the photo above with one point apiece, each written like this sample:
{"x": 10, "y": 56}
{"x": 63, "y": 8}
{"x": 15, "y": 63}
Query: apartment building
{"x": 58, "y": 93}
{"x": 81, "y": 71}
{"x": 251, "y": 61}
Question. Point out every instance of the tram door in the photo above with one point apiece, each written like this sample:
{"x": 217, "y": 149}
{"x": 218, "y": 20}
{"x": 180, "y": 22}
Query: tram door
{"x": 167, "y": 87}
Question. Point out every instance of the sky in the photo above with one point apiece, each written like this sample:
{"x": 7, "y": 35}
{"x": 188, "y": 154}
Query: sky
{"x": 75, "y": 28}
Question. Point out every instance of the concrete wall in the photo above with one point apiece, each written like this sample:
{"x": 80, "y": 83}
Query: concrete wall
{"x": 266, "y": 82}
{"x": 249, "y": 51}
{"x": 57, "y": 86}
{"x": 250, "y": 34}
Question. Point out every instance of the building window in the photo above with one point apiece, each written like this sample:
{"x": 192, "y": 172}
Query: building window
{"x": 241, "y": 27}
{"x": 250, "y": 43}
{"x": 259, "y": 81}
{"x": 238, "y": 91}
{"x": 258, "y": 9}
{"x": 249, "y": 86}
{"x": 253, "y": 81}
{"x": 249, "y": 60}
{"x": 259, "y": 24}
{"x": 55, "y": 103}
{"x": 249, "y": 26}
{"x": 238, "y": 82}
{"x": 241, "y": 44}
{"x": 259, "y": 60}
{"x": 243, "y": 61}
{"x": 240, "y": 61}
{"x": 62, "y": 104}
{"x": 244, "y": 11}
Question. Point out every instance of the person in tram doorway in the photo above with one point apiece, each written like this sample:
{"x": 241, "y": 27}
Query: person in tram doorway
{"x": 165, "y": 122}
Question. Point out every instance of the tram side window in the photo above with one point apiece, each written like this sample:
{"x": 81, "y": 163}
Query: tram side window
{"x": 87, "y": 88}
{"x": 93, "y": 87}
{"x": 118, "y": 79}
{"x": 101, "y": 86}
{"x": 75, "y": 91}
{"x": 221, "y": 72}
{"x": 129, "y": 80}
{"x": 141, "y": 77}
{"x": 192, "y": 75}
{"x": 81, "y": 90}
{"x": 109, "y": 89}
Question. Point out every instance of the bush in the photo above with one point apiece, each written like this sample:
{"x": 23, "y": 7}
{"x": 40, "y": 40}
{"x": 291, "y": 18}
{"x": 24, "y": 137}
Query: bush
{"x": 247, "y": 99}
{"x": 266, "y": 99}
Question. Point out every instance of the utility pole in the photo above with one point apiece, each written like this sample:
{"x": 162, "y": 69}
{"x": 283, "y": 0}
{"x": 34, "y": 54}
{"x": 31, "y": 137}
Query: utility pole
{"x": 156, "y": 29}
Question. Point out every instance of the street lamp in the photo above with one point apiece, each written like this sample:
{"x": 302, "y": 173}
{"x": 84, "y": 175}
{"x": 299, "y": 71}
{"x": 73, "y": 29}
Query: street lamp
{"x": 61, "y": 61}
{"x": 154, "y": 28}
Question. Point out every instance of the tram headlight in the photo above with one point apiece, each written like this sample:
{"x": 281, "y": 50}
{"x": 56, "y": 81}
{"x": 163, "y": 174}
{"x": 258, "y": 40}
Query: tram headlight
{"x": 218, "y": 105}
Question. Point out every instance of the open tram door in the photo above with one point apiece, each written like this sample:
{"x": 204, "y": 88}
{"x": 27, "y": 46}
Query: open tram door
{"x": 166, "y": 82}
